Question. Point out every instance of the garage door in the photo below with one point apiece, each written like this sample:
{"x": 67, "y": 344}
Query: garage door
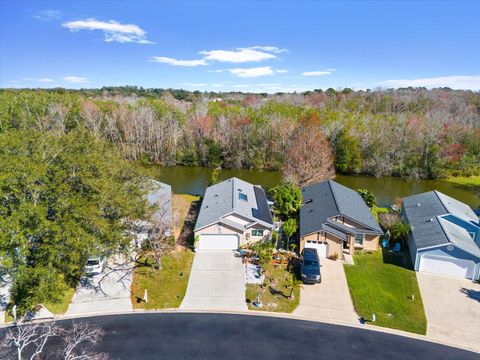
{"x": 322, "y": 248}
{"x": 447, "y": 266}
{"x": 218, "y": 242}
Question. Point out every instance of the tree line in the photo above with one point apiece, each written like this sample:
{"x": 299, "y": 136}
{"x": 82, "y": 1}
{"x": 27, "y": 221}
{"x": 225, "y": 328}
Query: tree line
{"x": 415, "y": 133}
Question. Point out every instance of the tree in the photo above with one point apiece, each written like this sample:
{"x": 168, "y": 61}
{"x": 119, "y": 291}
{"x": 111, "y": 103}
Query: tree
{"x": 400, "y": 230}
{"x": 214, "y": 176}
{"x": 29, "y": 340}
{"x": 289, "y": 228}
{"x": 288, "y": 199}
{"x": 62, "y": 199}
{"x": 348, "y": 156}
{"x": 368, "y": 197}
{"x": 308, "y": 159}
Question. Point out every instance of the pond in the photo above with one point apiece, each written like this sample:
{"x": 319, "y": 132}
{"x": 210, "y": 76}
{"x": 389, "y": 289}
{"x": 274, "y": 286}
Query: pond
{"x": 194, "y": 180}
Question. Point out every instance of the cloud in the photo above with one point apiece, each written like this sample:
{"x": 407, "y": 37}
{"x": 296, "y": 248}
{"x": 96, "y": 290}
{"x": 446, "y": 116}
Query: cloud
{"x": 45, "y": 80}
{"x": 281, "y": 71}
{"x": 175, "y": 62}
{"x": 240, "y": 55}
{"x": 113, "y": 30}
{"x": 252, "y": 72}
{"x": 319, "y": 73}
{"x": 75, "y": 79}
{"x": 458, "y": 82}
{"x": 272, "y": 49}
{"x": 48, "y": 15}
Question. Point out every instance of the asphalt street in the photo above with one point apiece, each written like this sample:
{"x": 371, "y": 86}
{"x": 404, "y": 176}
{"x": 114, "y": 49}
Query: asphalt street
{"x": 220, "y": 336}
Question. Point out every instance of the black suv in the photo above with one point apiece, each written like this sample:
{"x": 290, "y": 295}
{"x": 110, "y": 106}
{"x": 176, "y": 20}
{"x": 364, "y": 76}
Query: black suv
{"x": 310, "y": 267}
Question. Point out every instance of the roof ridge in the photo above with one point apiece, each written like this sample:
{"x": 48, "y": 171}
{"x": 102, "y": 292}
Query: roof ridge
{"x": 329, "y": 182}
{"x": 234, "y": 203}
{"x": 436, "y": 192}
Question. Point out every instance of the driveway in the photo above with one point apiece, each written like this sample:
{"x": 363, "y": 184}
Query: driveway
{"x": 106, "y": 292}
{"x": 217, "y": 282}
{"x": 452, "y": 307}
{"x": 329, "y": 300}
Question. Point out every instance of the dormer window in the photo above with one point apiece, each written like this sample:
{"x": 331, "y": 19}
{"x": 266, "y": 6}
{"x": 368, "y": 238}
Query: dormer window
{"x": 242, "y": 196}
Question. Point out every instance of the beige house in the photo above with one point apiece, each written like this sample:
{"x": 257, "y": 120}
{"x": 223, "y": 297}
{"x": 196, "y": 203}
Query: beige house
{"x": 334, "y": 219}
{"x": 233, "y": 213}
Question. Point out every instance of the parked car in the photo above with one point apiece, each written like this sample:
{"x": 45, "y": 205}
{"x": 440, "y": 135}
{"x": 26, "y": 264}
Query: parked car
{"x": 310, "y": 266}
{"x": 94, "y": 265}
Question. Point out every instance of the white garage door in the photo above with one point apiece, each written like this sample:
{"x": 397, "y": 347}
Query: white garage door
{"x": 218, "y": 242}
{"x": 447, "y": 266}
{"x": 322, "y": 248}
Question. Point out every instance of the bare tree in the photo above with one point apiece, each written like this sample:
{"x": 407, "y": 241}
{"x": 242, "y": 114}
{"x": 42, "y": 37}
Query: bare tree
{"x": 79, "y": 340}
{"x": 160, "y": 239}
{"x": 29, "y": 338}
{"x": 308, "y": 158}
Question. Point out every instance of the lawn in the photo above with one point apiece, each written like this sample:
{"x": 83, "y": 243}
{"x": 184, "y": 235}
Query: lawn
{"x": 185, "y": 210}
{"x": 382, "y": 283}
{"x": 166, "y": 287}
{"x": 464, "y": 180}
{"x": 273, "y": 294}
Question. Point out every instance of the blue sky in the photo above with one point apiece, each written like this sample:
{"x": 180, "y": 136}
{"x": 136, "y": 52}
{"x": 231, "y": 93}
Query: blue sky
{"x": 246, "y": 46}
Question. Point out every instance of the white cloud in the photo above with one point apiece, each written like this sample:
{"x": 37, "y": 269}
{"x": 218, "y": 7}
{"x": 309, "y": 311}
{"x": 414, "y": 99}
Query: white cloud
{"x": 458, "y": 82}
{"x": 45, "y": 80}
{"x": 240, "y": 55}
{"x": 272, "y": 49}
{"x": 176, "y": 62}
{"x": 281, "y": 71}
{"x": 75, "y": 79}
{"x": 48, "y": 15}
{"x": 252, "y": 72}
{"x": 318, "y": 73}
{"x": 113, "y": 30}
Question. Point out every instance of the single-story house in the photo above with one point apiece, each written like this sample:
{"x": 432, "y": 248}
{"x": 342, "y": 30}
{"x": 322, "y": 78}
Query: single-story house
{"x": 445, "y": 235}
{"x": 334, "y": 219}
{"x": 233, "y": 213}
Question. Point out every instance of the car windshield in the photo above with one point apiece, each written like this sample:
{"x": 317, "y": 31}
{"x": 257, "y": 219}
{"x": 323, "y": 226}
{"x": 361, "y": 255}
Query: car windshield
{"x": 310, "y": 264}
{"x": 93, "y": 262}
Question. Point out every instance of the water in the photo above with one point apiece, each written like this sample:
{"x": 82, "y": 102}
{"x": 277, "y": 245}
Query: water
{"x": 194, "y": 180}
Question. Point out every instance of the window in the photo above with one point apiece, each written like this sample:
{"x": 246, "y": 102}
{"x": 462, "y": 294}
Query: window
{"x": 257, "y": 232}
{"x": 472, "y": 234}
{"x": 359, "y": 239}
{"x": 242, "y": 196}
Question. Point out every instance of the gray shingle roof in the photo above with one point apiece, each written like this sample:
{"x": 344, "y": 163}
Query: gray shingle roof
{"x": 223, "y": 198}
{"x": 329, "y": 198}
{"x": 160, "y": 196}
{"x": 424, "y": 214}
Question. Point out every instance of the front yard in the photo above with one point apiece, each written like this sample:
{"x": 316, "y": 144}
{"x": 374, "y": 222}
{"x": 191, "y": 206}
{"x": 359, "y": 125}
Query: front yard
{"x": 382, "y": 283}
{"x": 276, "y": 290}
{"x": 166, "y": 287}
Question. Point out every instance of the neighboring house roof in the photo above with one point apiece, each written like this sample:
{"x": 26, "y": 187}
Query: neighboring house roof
{"x": 160, "y": 196}
{"x": 424, "y": 212}
{"x": 234, "y": 196}
{"x": 327, "y": 199}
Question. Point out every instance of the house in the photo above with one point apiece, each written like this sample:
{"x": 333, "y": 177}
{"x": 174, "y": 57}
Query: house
{"x": 233, "y": 213}
{"x": 445, "y": 235}
{"x": 334, "y": 219}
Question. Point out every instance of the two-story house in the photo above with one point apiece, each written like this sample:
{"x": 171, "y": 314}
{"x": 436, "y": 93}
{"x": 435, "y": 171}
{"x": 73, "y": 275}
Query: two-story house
{"x": 445, "y": 235}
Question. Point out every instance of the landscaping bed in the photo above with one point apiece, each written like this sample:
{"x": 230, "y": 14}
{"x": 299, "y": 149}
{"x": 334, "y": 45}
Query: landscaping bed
{"x": 166, "y": 287}
{"x": 382, "y": 283}
{"x": 276, "y": 290}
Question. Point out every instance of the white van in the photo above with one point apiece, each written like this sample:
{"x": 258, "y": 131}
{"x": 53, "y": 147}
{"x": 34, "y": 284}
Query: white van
{"x": 94, "y": 265}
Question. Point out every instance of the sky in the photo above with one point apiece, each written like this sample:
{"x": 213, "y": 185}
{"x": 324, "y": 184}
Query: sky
{"x": 262, "y": 46}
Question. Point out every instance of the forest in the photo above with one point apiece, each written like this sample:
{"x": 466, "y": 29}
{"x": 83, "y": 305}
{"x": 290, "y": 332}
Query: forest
{"x": 411, "y": 132}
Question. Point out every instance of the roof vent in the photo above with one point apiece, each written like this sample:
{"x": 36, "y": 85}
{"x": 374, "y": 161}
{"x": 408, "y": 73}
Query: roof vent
{"x": 418, "y": 204}
{"x": 430, "y": 220}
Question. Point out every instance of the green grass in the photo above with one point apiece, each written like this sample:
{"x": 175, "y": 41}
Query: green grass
{"x": 464, "y": 180}
{"x": 377, "y": 210}
{"x": 274, "y": 295}
{"x": 380, "y": 284}
{"x": 60, "y": 307}
{"x": 166, "y": 287}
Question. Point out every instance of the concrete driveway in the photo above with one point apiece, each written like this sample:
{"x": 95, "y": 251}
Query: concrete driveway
{"x": 452, "y": 307}
{"x": 217, "y": 282}
{"x": 106, "y": 292}
{"x": 329, "y": 300}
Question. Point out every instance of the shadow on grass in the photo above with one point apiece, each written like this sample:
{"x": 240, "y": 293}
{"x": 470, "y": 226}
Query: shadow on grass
{"x": 400, "y": 259}
{"x": 185, "y": 238}
{"x": 472, "y": 294}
